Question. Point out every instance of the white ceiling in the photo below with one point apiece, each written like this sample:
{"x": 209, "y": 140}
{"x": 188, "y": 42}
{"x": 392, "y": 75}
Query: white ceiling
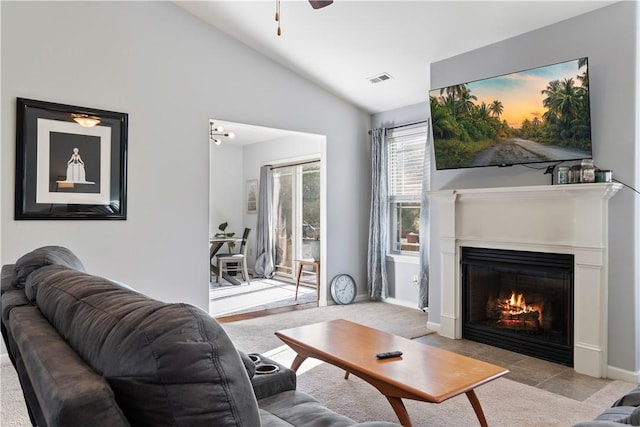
{"x": 340, "y": 46}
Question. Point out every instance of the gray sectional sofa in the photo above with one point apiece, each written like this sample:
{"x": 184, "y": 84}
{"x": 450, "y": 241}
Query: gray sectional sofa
{"x": 624, "y": 412}
{"x": 92, "y": 352}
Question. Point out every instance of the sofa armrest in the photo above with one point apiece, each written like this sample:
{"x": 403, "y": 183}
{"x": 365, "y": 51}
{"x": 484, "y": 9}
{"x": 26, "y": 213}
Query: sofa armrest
{"x": 6, "y": 276}
{"x": 265, "y": 385}
{"x": 68, "y": 392}
{"x": 630, "y": 399}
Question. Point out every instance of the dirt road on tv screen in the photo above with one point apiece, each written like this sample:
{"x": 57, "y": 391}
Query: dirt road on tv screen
{"x": 517, "y": 150}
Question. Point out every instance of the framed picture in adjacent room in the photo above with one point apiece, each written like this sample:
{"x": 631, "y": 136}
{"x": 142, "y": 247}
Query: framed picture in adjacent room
{"x": 71, "y": 162}
{"x": 252, "y": 196}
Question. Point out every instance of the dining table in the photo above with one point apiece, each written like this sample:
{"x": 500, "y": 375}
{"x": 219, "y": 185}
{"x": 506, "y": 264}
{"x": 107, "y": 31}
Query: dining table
{"x": 215, "y": 244}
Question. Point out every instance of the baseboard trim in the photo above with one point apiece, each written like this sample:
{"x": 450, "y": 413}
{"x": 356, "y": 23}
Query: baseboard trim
{"x": 434, "y": 326}
{"x": 359, "y": 298}
{"x": 623, "y": 375}
{"x": 401, "y": 303}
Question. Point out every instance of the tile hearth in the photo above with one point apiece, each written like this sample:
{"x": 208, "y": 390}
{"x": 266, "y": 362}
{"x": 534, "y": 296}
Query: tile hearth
{"x": 549, "y": 376}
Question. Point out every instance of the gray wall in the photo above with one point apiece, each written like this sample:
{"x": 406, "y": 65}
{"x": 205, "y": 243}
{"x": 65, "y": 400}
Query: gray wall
{"x": 226, "y": 187}
{"x": 609, "y": 38}
{"x": 171, "y": 73}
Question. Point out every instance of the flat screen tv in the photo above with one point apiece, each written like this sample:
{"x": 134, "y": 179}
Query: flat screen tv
{"x": 534, "y": 116}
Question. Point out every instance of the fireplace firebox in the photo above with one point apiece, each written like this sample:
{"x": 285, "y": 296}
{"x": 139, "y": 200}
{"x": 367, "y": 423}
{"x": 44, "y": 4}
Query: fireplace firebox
{"x": 520, "y": 301}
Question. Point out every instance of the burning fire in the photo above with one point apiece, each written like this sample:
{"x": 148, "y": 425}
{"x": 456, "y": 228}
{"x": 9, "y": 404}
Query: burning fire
{"x": 514, "y": 312}
{"x": 516, "y": 304}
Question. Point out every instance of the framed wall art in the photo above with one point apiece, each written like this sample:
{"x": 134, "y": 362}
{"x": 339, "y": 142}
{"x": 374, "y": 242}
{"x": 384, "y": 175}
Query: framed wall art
{"x": 71, "y": 162}
{"x": 252, "y": 196}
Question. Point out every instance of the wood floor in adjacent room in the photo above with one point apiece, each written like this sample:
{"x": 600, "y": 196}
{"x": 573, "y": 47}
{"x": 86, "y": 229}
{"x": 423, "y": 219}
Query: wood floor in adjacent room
{"x": 261, "y": 297}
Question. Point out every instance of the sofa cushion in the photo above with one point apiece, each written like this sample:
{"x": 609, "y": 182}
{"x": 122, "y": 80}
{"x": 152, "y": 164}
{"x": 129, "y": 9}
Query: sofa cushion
{"x": 46, "y": 255}
{"x": 295, "y": 408}
{"x": 168, "y": 364}
{"x": 615, "y": 416}
{"x": 11, "y": 299}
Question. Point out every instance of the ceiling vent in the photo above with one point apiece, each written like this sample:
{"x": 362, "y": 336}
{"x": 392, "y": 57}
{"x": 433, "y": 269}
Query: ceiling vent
{"x": 380, "y": 78}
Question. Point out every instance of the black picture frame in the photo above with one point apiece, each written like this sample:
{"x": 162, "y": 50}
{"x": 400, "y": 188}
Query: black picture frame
{"x": 67, "y": 171}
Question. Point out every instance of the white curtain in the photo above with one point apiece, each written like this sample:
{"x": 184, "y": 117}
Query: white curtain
{"x": 378, "y": 218}
{"x": 423, "y": 284}
{"x": 265, "y": 243}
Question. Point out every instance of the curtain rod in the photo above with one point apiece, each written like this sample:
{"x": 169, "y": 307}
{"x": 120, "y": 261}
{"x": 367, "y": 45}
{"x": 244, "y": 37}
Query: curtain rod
{"x": 406, "y": 124}
{"x": 285, "y": 165}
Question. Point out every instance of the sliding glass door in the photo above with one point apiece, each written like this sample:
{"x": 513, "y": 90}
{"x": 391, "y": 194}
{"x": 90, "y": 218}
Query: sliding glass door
{"x": 296, "y": 193}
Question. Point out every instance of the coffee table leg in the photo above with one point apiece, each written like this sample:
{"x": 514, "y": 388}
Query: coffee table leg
{"x": 476, "y": 407}
{"x": 297, "y": 362}
{"x": 400, "y": 410}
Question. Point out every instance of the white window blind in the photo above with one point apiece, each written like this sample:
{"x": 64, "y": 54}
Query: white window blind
{"x": 406, "y": 147}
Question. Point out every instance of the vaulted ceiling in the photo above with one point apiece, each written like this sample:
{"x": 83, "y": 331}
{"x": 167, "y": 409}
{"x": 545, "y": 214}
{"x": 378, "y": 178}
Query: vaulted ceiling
{"x": 341, "y": 46}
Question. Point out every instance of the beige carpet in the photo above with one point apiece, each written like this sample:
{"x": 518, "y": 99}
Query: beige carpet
{"x": 256, "y": 335}
{"x": 13, "y": 410}
{"x": 505, "y": 403}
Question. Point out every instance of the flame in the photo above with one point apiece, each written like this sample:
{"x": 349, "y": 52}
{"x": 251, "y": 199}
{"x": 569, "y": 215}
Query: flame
{"x": 516, "y": 305}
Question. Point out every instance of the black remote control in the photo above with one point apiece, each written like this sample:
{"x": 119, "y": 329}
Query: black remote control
{"x": 389, "y": 354}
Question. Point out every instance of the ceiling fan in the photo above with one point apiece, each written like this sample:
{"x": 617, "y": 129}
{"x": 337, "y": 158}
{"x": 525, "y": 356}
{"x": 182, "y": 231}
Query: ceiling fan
{"x": 316, "y": 4}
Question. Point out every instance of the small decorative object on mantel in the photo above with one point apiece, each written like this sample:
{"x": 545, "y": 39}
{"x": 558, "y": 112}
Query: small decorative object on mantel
{"x": 587, "y": 171}
{"x": 562, "y": 175}
{"x": 71, "y": 162}
{"x": 604, "y": 175}
{"x": 583, "y": 172}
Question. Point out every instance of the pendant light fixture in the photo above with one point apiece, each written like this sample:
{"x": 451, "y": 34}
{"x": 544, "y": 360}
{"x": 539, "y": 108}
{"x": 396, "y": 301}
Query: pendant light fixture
{"x": 216, "y": 132}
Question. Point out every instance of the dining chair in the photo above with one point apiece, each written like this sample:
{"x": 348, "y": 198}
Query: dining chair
{"x": 235, "y": 262}
{"x": 214, "y": 247}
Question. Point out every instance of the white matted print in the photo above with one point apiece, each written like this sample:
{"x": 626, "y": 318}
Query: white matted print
{"x": 252, "y": 196}
{"x": 75, "y": 159}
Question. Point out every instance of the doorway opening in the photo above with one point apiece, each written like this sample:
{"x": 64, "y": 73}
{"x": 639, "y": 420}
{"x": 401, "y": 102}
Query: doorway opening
{"x": 299, "y": 172}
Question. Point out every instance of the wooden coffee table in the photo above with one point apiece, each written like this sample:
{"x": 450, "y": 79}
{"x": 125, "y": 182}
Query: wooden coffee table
{"x": 422, "y": 373}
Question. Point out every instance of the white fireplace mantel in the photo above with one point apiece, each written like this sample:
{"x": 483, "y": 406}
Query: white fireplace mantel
{"x": 569, "y": 219}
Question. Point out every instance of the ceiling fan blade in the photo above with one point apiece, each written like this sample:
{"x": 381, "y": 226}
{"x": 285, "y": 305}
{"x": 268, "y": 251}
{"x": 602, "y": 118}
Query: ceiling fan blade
{"x": 317, "y": 4}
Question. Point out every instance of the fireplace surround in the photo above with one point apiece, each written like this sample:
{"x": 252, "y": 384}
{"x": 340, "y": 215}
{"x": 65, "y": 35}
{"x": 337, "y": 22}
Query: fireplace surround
{"x": 567, "y": 219}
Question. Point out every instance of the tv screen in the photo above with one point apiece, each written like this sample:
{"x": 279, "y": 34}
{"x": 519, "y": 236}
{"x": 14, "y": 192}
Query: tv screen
{"x": 533, "y": 116}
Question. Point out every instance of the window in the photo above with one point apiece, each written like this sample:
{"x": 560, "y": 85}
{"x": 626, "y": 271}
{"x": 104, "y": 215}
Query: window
{"x": 296, "y": 193}
{"x": 406, "y": 153}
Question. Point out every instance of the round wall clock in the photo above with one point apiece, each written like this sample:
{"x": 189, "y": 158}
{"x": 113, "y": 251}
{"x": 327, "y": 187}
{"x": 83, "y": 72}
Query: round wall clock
{"x": 343, "y": 289}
